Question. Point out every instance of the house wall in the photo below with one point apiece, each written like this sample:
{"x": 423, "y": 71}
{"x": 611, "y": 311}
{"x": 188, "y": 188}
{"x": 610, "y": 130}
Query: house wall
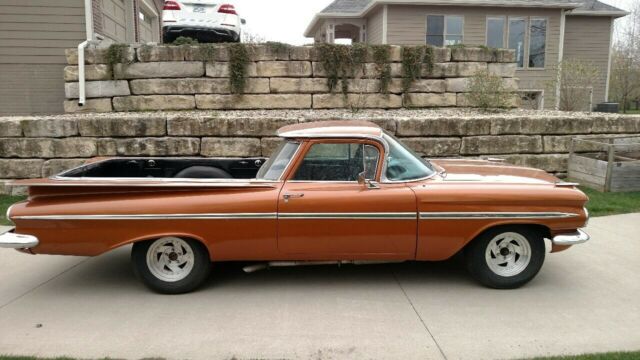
{"x": 374, "y": 27}
{"x": 588, "y": 38}
{"x": 407, "y": 26}
{"x": 33, "y": 36}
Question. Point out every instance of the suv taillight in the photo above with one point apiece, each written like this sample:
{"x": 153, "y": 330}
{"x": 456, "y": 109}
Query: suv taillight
{"x": 171, "y": 5}
{"x": 227, "y": 9}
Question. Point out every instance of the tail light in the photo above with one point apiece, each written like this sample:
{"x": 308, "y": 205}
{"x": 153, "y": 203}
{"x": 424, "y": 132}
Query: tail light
{"x": 227, "y": 9}
{"x": 171, "y": 5}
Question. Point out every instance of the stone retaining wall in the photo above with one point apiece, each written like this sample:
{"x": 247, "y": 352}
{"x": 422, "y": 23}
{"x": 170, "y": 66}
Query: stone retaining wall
{"x": 32, "y": 147}
{"x": 188, "y": 77}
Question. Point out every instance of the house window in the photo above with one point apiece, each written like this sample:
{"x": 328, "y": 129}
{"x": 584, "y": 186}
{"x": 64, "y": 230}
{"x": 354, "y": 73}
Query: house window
{"x": 537, "y": 42}
{"x": 444, "y": 30}
{"x": 517, "y": 28}
{"x": 495, "y": 32}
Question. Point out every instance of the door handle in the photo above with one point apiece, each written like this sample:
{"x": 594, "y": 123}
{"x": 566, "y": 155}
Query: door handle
{"x": 292, "y": 196}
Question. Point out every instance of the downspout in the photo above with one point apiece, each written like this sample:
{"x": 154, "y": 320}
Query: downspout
{"x": 88, "y": 19}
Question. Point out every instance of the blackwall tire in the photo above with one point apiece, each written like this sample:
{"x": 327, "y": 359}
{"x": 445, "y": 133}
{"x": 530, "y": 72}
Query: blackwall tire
{"x": 506, "y": 257}
{"x": 171, "y": 265}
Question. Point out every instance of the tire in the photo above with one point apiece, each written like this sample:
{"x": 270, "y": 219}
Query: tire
{"x": 506, "y": 257}
{"x": 171, "y": 265}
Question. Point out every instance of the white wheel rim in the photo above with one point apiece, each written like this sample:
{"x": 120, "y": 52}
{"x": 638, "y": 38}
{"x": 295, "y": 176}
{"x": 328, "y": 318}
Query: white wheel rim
{"x": 170, "y": 259}
{"x": 508, "y": 254}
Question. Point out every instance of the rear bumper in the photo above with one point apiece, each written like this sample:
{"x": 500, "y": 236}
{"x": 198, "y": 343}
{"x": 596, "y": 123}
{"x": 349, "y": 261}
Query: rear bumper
{"x": 200, "y": 33}
{"x": 576, "y": 238}
{"x": 11, "y": 240}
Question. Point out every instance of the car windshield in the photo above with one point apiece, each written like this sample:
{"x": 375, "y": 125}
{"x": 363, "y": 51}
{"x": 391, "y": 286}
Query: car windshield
{"x": 403, "y": 163}
{"x": 277, "y": 163}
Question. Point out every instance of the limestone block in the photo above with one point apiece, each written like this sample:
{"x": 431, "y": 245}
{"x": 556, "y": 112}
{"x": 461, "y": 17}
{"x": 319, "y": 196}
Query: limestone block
{"x": 544, "y": 125}
{"x": 91, "y": 105}
{"x": 91, "y": 72}
{"x": 57, "y": 166}
{"x": 505, "y": 144}
{"x": 219, "y": 102}
{"x": 421, "y": 100}
{"x": 357, "y": 101}
{"x": 49, "y": 127}
{"x": 161, "y": 53}
{"x": 546, "y": 162}
{"x": 145, "y": 125}
{"x": 20, "y": 169}
{"x": 223, "y": 147}
{"x": 284, "y": 69}
{"x": 434, "y": 147}
{"x": 98, "y": 89}
{"x": 458, "y": 85}
{"x": 506, "y": 70}
{"x": 221, "y": 70}
{"x": 195, "y": 86}
{"x": 93, "y": 55}
{"x": 299, "y": 85}
{"x": 181, "y": 125}
{"x": 444, "y": 127}
{"x": 10, "y": 127}
{"x": 206, "y": 52}
{"x": 418, "y": 86}
{"x": 150, "y": 70}
{"x": 154, "y": 102}
{"x": 616, "y": 124}
{"x": 269, "y": 144}
{"x": 152, "y": 146}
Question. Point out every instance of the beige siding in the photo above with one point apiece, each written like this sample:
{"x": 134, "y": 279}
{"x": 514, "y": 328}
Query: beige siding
{"x": 407, "y": 26}
{"x": 374, "y": 27}
{"x": 588, "y": 39}
{"x": 33, "y": 36}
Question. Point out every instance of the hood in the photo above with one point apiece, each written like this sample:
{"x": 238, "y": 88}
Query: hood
{"x": 488, "y": 171}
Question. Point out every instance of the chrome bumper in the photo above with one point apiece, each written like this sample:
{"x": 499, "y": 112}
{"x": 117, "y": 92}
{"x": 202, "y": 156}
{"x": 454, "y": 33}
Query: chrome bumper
{"x": 578, "y": 237}
{"x": 11, "y": 240}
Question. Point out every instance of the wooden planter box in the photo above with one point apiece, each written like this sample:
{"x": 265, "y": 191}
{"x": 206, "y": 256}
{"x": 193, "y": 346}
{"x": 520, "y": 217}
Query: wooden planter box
{"x": 606, "y": 164}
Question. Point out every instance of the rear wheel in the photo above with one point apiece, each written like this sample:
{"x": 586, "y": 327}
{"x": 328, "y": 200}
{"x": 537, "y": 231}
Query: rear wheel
{"x": 506, "y": 257}
{"x": 171, "y": 265}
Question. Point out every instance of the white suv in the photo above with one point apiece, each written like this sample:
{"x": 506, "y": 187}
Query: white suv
{"x": 203, "y": 20}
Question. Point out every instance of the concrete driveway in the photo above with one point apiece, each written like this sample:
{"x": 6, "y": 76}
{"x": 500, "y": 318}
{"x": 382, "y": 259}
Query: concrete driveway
{"x": 584, "y": 300}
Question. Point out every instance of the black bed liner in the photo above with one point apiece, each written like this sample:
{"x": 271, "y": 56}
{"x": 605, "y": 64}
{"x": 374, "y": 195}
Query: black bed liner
{"x": 245, "y": 168}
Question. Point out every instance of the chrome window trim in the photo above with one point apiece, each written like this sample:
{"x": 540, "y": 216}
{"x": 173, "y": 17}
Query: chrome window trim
{"x": 494, "y": 215}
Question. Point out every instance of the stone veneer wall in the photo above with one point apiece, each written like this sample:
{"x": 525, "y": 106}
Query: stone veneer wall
{"x": 177, "y": 78}
{"x": 32, "y": 147}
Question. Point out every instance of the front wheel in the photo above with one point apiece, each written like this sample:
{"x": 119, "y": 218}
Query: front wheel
{"x": 506, "y": 257}
{"x": 171, "y": 265}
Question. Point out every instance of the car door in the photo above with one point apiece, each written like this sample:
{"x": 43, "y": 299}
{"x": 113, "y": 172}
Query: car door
{"x": 325, "y": 213}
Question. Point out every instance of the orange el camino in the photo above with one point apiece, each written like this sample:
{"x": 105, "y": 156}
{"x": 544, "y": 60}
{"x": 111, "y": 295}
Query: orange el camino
{"x": 333, "y": 192}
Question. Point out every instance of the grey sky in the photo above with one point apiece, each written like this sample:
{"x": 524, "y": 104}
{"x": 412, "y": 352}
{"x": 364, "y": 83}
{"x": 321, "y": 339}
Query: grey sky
{"x": 286, "y": 20}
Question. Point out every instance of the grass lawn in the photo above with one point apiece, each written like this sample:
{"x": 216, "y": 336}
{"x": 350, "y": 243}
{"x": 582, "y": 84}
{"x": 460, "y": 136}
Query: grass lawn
{"x": 5, "y": 202}
{"x": 600, "y": 204}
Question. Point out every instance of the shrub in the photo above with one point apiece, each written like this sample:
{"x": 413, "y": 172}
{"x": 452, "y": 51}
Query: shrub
{"x": 487, "y": 91}
{"x": 184, "y": 40}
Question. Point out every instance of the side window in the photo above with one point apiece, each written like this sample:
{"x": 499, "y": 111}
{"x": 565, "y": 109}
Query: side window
{"x": 444, "y": 30}
{"x": 338, "y": 162}
{"x": 537, "y": 42}
{"x": 495, "y": 32}
{"x": 517, "y": 28}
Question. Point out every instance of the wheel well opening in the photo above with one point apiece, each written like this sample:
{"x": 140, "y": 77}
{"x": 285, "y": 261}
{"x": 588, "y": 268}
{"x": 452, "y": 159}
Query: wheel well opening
{"x": 544, "y": 231}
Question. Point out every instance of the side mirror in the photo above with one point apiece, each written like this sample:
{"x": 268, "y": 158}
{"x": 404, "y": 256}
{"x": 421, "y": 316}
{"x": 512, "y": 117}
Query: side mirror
{"x": 243, "y": 21}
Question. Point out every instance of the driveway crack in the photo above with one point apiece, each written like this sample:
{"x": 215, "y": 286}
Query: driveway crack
{"x": 424, "y": 324}
{"x": 41, "y": 284}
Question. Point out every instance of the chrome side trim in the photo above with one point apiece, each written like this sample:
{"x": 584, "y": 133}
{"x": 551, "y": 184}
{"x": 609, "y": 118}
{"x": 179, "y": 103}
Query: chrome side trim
{"x": 350, "y": 216}
{"x": 494, "y": 215}
{"x": 230, "y": 216}
{"x": 579, "y": 237}
{"x": 10, "y": 240}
